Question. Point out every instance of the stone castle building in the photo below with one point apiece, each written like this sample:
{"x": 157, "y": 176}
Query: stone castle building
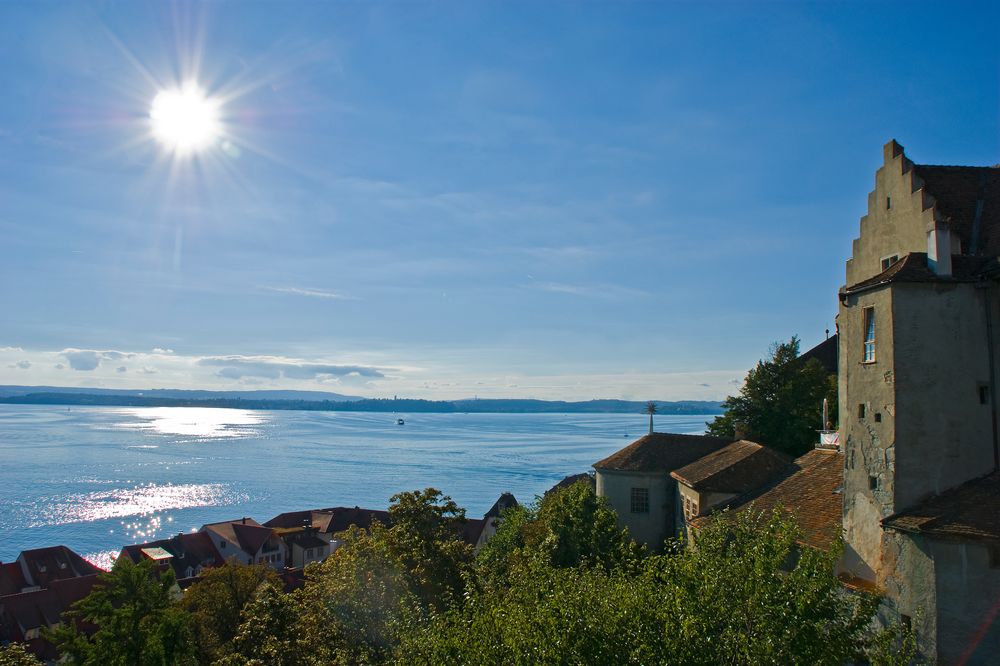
{"x": 918, "y": 402}
{"x": 914, "y": 487}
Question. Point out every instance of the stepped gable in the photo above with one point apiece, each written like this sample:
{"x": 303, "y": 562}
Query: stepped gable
{"x": 661, "y": 452}
{"x": 736, "y": 468}
{"x": 968, "y": 199}
{"x": 913, "y": 267}
{"x": 812, "y": 492}
{"x": 966, "y": 512}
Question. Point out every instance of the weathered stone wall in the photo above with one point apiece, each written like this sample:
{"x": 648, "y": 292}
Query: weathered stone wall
{"x": 968, "y": 604}
{"x": 944, "y": 434}
{"x": 649, "y": 528}
{"x": 868, "y": 440}
{"x": 907, "y": 578}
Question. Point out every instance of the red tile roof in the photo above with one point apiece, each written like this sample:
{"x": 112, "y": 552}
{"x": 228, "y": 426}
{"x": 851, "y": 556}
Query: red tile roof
{"x": 913, "y": 268}
{"x": 246, "y": 533}
{"x": 812, "y": 492}
{"x": 45, "y": 565}
{"x": 736, "y": 468}
{"x": 11, "y": 579}
{"x": 574, "y": 478}
{"x": 661, "y": 452}
{"x": 969, "y": 512}
{"x": 192, "y": 551}
{"x": 959, "y": 193}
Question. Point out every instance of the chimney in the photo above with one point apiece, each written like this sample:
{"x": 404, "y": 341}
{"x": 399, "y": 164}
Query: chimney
{"x": 939, "y": 249}
{"x": 244, "y": 520}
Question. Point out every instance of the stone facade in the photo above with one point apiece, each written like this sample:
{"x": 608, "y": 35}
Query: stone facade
{"x": 917, "y": 398}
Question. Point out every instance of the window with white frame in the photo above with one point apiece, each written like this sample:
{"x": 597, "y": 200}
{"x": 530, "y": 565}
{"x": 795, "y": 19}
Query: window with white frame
{"x": 869, "y": 327}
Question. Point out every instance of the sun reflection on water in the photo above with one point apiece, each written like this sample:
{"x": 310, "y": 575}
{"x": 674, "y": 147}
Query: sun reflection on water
{"x": 200, "y": 422}
{"x": 143, "y": 500}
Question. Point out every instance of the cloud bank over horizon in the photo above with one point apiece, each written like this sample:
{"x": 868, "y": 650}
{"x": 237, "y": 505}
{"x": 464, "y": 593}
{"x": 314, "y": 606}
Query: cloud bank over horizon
{"x": 166, "y": 368}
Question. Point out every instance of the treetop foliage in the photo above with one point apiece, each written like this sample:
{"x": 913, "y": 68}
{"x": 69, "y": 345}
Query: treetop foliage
{"x": 780, "y": 403}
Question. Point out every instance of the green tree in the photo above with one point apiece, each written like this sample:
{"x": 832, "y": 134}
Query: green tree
{"x": 781, "y": 401}
{"x": 15, "y": 655}
{"x": 138, "y": 623}
{"x": 216, "y": 602}
{"x": 748, "y": 594}
{"x": 383, "y": 582}
{"x": 569, "y": 527}
{"x": 270, "y": 633}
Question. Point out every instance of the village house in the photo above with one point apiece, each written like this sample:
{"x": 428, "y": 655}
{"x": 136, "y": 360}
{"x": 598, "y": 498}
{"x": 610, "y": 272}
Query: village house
{"x": 186, "y": 554}
{"x": 36, "y": 589}
{"x": 248, "y": 542}
{"x": 637, "y": 483}
{"x": 723, "y": 475}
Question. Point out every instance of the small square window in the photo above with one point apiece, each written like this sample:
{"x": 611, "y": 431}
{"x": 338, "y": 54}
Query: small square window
{"x": 640, "y": 500}
{"x": 873, "y": 483}
{"x": 878, "y": 417}
{"x": 861, "y": 410}
{"x": 984, "y": 394}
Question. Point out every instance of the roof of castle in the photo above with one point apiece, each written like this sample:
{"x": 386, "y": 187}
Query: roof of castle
{"x": 913, "y": 267}
{"x": 811, "y": 492}
{"x": 960, "y": 192}
{"x": 736, "y": 468}
{"x": 968, "y": 512}
{"x": 661, "y": 452}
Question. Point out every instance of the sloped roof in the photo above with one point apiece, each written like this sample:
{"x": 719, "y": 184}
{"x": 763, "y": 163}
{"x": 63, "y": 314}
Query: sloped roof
{"x": 505, "y": 501}
{"x": 969, "y": 512}
{"x": 246, "y": 533}
{"x": 962, "y": 191}
{"x": 472, "y": 530}
{"x": 812, "y": 492}
{"x": 826, "y": 353}
{"x": 913, "y": 267}
{"x": 11, "y": 579}
{"x": 191, "y": 550}
{"x": 41, "y": 608}
{"x": 571, "y": 479}
{"x": 736, "y": 468}
{"x": 344, "y": 517}
{"x": 661, "y": 452}
{"x": 45, "y": 565}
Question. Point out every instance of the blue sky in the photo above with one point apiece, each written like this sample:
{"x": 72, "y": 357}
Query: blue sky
{"x": 440, "y": 200}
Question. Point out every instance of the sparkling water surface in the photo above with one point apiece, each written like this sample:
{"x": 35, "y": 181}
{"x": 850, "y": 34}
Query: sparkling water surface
{"x": 98, "y": 478}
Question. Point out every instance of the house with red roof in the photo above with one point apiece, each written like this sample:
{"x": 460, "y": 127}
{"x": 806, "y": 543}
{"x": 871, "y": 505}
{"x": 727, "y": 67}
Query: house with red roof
{"x": 36, "y": 589}
{"x": 248, "y": 542}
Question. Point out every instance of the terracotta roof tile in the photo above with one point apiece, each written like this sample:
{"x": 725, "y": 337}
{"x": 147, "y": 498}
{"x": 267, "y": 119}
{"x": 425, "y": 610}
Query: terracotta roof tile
{"x": 736, "y": 468}
{"x": 812, "y": 492}
{"x": 661, "y": 452}
{"x": 970, "y": 511}
{"x": 913, "y": 268}
{"x": 574, "y": 478}
{"x": 959, "y": 191}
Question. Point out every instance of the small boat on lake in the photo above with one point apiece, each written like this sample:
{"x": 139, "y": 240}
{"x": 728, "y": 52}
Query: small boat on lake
{"x": 400, "y": 422}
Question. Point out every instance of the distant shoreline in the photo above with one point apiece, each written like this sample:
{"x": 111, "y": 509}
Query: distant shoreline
{"x": 477, "y": 406}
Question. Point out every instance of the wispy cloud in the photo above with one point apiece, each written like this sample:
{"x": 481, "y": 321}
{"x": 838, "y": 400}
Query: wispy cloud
{"x": 238, "y": 367}
{"x": 590, "y": 291}
{"x": 312, "y": 293}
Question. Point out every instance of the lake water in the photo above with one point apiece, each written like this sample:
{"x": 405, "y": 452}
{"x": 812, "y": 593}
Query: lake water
{"x": 98, "y": 478}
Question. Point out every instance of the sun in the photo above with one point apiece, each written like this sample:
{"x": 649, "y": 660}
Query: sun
{"x": 184, "y": 120}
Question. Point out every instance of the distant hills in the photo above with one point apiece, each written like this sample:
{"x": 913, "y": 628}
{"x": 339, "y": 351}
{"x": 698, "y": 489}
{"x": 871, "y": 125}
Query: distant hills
{"x": 322, "y": 401}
